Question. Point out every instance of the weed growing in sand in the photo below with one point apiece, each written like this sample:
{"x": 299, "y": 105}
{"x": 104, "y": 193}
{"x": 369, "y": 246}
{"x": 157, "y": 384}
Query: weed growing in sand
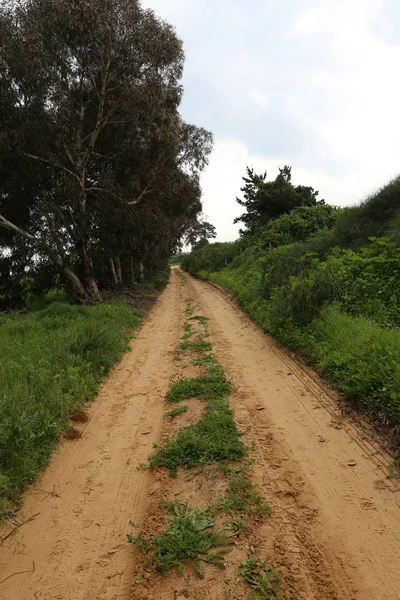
{"x": 238, "y": 526}
{"x": 182, "y": 279}
{"x": 188, "y": 539}
{"x": 142, "y": 466}
{"x": 189, "y": 308}
{"x": 201, "y": 319}
{"x": 212, "y": 386}
{"x": 191, "y": 533}
{"x": 178, "y": 410}
{"x": 262, "y": 578}
{"x": 394, "y": 470}
{"x": 242, "y": 497}
{"x": 197, "y": 345}
{"x": 205, "y": 361}
{"x": 214, "y": 438}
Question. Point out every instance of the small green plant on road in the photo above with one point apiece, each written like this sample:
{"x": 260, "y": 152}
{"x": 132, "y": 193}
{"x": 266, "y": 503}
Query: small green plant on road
{"x": 188, "y": 539}
{"x": 262, "y": 578}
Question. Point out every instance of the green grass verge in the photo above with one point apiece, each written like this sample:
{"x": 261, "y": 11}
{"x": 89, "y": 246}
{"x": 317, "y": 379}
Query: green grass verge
{"x": 340, "y": 310}
{"x": 52, "y": 363}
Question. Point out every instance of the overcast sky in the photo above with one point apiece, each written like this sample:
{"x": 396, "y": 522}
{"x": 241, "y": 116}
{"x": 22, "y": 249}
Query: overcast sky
{"x": 310, "y": 83}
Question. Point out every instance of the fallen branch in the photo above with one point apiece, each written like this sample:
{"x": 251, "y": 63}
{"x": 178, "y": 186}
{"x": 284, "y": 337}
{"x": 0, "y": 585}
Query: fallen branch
{"x": 19, "y": 573}
{"x": 53, "y": 493}
{"x": 17, "y": 527}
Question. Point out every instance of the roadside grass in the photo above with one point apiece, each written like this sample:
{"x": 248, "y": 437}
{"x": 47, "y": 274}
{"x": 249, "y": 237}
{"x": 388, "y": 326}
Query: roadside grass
{"x": 188, "y": 539}
{"x": 53, "y": 361}
{"x": 338, "y": 308}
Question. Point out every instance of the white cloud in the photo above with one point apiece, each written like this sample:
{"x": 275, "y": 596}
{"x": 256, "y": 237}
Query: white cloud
{"x": 260, "y": 99}
{"x": 356, "y": 97}
{"x": 311, "y": 83}
{"x": 222, "y": 181}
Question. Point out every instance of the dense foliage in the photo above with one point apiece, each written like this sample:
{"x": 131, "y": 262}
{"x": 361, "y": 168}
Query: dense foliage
{"x": 99, "y": 175}
{"x": 325, "y": 281}
{"x": 265, "y": 200}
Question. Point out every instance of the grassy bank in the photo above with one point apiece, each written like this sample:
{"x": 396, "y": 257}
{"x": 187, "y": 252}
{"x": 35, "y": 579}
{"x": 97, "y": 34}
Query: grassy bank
{"x": 52, "y": 362}
{"x": 333, "y": 295}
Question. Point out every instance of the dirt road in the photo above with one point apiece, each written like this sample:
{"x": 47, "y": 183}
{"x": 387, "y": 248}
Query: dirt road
{"x": 335, "y": 526}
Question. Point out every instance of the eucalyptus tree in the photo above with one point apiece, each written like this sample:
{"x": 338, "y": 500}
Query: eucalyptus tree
{"x": 89, "y": 126}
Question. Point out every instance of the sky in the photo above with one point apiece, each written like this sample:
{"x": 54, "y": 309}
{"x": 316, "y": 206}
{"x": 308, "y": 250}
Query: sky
{"x": 310, "y": 83}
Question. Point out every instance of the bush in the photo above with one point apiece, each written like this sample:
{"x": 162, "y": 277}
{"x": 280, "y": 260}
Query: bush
{"x": 211, "y": 257}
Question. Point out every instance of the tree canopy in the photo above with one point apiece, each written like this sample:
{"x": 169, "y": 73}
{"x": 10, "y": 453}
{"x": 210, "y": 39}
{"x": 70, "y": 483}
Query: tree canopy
{"x": 266, "y": 200}
{"x": 99, "y": 175}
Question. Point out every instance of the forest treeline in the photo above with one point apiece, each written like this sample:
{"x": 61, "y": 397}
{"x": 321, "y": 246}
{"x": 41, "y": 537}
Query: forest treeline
{"x": 323, "y": 280}
{"x": 99, "y": 174}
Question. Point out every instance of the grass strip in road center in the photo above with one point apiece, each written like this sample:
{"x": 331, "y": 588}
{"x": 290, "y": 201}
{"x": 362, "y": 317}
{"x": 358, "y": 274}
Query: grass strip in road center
{"x": 215, "y": 436}
{"x": 192, "y": 536}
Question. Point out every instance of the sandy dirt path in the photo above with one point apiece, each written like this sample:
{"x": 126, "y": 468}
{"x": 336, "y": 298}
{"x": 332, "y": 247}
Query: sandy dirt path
{"x": 334, "y": 530}
{"x": 78, "y": 541}
{"x": 336, "y": 516}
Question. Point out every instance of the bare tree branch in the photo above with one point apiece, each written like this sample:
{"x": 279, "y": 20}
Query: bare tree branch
{"x": 147, "y": 189}
{"x": 40, "y": 244}
{"x": 54, "y": 165}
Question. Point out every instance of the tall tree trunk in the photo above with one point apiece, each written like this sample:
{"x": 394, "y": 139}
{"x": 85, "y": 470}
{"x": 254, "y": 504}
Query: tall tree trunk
{"x": 113, "y": 272}
{"x": 118, "y": 269}
{"x": 132, "y": 268}
{"x": 141, "y": 271}
{"x": 75, "y": 284}
{"x": 92, "y": 291}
